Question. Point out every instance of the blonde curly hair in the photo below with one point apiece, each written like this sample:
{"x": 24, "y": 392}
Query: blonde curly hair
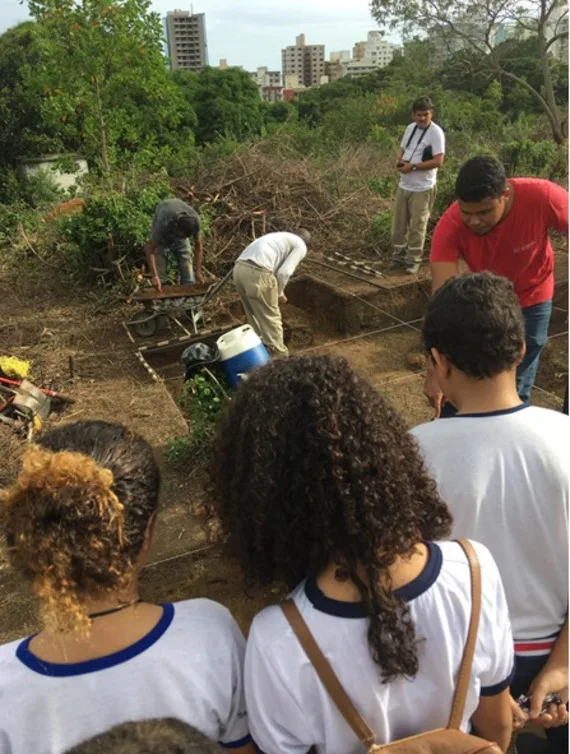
{"x": 76, "y": 517}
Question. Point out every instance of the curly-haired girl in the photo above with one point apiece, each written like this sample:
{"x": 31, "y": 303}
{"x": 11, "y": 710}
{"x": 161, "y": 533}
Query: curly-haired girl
{"x": 78, "y": 525}
{"x": 318, "y": 485}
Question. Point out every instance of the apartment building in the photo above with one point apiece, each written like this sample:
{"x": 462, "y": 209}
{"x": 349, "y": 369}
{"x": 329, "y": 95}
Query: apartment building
{"x": 268, "y": 83}
{"x": 264, "y": 77}
{"x": 334, "y": 69}
{"x": 376, "y": 50}
{"x": 307, "y": 62}
{"x": 339, "y": 56}
{"x": 186, "y": 40}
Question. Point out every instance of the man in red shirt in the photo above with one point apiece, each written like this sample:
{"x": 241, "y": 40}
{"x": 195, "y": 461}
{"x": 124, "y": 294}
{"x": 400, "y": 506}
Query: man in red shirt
{"x": 502, "y": 226}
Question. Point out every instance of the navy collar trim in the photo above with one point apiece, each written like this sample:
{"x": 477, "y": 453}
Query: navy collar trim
{"x": 409, "y": 592}
{"x": 63, "y": 670}
{"x": 500, "y": 412}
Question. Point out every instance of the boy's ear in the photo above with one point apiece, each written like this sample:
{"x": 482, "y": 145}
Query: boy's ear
{"x": 440, "y": 361}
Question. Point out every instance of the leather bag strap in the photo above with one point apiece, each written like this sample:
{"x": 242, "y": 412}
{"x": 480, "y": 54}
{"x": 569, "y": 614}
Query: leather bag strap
{"x": 327, "y": 674}
{"x": 458, "y": 706}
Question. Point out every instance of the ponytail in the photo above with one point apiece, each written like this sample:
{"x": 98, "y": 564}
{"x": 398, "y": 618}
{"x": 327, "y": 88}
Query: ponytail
{"x": 65, "y": 528}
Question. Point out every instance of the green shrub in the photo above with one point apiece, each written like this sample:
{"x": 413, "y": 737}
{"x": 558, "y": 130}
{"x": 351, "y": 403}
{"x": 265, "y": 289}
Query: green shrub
{"x": 382, "y": 137}
{"x": 203, "y": 401}
{"x": 40, "y": 189}
{"x": 351, "y": 120}
{"x": 384, "y": 186}
{"x": 113, "y": 226}
{"x": 14, "y": 215}
{"x": 544, "y": 159}
{"x": 381, "y": 227}
{"x": 9, "y": 186}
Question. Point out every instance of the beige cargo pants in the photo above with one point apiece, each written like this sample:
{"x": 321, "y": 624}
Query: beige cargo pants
{"x": 257, "y": 289}
{"x": 409, "y": 224}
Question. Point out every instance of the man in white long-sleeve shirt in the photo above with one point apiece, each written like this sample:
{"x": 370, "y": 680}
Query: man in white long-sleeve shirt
{"x": 261, "y": 274}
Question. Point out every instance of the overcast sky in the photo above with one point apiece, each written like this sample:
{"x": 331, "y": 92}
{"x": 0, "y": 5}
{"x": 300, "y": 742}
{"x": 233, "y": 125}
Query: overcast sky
{"x": 253, "y": 37}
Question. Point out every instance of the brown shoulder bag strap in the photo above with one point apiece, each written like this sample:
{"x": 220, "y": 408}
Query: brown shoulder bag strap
{"x": 327, "y": 675}
{"x": 339, "y": 695}
{"x": 458, "y": 706}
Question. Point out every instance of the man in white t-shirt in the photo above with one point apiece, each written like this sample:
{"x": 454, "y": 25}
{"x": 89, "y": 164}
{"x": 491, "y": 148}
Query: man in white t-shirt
{"x": 422, "y": 153}
{"x": 261, "y": 274}
{"x": 501, "y": 465}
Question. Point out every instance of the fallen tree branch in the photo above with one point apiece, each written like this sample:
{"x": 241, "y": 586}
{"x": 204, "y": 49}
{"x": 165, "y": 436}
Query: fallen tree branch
{"x": 34, "y": 252}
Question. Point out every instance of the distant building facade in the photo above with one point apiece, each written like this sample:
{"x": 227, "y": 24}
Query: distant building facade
{"x": 376, "y": 50}
{"x": 186, "y": 43}
{"x": 264, "y": 77}
{"x": 340, "y": 56}
{"x": 307, "y": 62}
{"x": 269, "y": 84}
{"x": 356, "y": 68}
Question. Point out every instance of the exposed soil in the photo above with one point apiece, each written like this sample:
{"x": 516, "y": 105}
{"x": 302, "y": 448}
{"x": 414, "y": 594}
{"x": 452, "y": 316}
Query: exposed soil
{"x": 327, "y": 311}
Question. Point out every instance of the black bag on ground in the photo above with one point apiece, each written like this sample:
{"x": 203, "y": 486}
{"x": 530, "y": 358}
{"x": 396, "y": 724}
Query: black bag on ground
{"x": 196, "y": 356}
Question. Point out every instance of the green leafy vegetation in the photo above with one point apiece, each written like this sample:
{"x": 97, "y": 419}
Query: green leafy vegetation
{"x": 91, "y": 79}
{"x": 203, "y": 401}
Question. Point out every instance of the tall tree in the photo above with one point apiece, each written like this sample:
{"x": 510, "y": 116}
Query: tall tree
{"x": 227, "y": 103}
{"x": 103, "y": 69}
{"x": 23, "y": 131}
{"x": 476, "y": 26}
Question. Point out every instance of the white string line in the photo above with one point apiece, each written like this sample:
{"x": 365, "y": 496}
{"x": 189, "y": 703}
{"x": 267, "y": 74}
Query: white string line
{"x": 368, "y": 334}
{"x": 181, "y": 555}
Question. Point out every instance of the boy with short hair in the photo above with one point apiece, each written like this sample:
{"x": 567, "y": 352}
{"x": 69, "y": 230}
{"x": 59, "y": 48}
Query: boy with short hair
{"x": 501, "y": 465}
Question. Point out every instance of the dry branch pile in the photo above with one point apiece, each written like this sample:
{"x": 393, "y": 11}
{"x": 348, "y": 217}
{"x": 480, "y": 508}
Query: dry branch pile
{"x": 255, "y": 192}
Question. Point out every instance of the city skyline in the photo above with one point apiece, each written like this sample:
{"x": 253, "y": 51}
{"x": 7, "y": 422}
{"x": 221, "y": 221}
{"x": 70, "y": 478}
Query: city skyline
{"x": 249, "y": 38}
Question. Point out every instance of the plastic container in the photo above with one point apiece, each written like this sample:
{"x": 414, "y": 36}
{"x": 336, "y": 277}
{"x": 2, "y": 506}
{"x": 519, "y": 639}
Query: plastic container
{"x": 240, "y": 351}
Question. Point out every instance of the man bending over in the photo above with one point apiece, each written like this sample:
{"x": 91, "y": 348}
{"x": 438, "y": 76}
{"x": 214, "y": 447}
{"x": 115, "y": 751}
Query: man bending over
{"x": 173, "y": 224}
{"x": 502, "y": 226}
{"x": 261, "y": 273}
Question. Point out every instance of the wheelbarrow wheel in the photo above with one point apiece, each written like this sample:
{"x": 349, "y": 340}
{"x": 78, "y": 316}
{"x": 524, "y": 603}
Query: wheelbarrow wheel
{"x": 144, "y": 325}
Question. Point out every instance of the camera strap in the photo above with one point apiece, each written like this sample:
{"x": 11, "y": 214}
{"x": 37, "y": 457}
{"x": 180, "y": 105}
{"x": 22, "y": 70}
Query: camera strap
{"x": 423, "y": 133}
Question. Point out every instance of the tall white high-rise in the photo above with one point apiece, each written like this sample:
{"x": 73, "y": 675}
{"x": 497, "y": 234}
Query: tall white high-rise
{"x": 186, "y": 40}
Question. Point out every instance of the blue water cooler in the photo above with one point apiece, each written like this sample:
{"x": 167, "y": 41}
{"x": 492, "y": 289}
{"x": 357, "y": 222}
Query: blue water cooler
{"x": 240, "y": 351}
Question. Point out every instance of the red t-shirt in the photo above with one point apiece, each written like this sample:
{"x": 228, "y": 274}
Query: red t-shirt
{"x": 518, "y": 247}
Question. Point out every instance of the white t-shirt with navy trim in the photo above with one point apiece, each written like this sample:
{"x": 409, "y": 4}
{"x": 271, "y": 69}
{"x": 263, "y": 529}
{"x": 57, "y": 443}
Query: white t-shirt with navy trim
{"x": 433, "y": 136}
{"x": 189, "y": 666}
{"x": 505, "y": 477}
{"x": 289, "y": 710}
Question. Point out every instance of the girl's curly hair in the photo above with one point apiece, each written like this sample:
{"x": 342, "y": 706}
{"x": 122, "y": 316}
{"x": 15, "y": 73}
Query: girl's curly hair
{"x": 311, "y": 466}
{"x": 75, "y": 520}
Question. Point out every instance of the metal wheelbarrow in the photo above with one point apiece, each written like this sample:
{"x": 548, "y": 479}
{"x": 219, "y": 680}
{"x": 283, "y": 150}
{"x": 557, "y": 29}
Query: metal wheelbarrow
{"x": 173, "y": 302}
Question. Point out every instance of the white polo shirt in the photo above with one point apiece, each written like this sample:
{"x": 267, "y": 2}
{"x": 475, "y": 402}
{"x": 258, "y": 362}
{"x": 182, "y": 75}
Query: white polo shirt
{"x": 421, "y": 180}
{"x": 289, "y": 709}
{"x": 189, "y": 666}
{"x": 279, "y": 253}
{"x": 505, "y": 478}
